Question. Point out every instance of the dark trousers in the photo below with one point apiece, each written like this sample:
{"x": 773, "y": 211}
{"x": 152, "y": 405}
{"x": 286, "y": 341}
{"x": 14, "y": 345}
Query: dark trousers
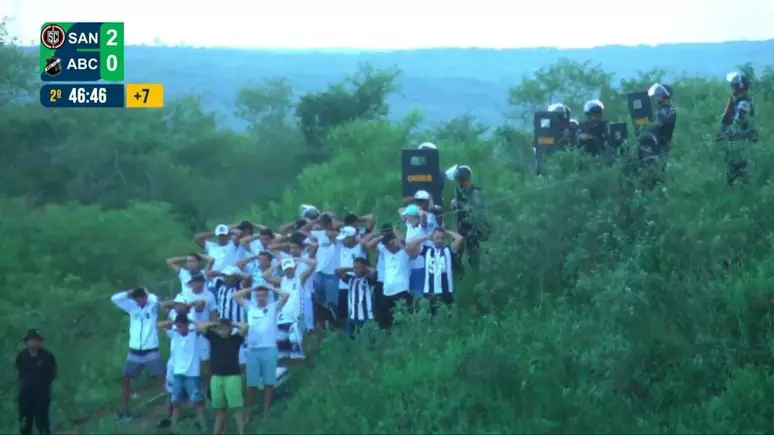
{"x": 438, "y": 300}
{"x": 33, "y": 408}
{"x": 387, "y": 306}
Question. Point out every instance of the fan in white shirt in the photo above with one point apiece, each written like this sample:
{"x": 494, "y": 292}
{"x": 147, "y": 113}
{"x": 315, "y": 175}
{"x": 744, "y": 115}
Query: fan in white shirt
{"x": 186, "y": 366}
{"x": 223, "y": 250}
{"x": 289, "y": 329}
{"x": 416, "y": 227}
{"x": 194, "y": 263}
{"x": 396, "y": 273}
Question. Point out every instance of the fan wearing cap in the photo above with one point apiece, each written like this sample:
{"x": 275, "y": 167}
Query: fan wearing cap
{"x": 143, "y": 310}
{"x": 186, "y": 366}
{"x": 416, "y": 227}
{"x": 262, "y": 338}
{"x": 37, "y": 371}
{"x": 472, "y": 224}
{"x": 301, "y": 245}
{"x": 187, "y": 265}
{"x": 226, "y": 339}
{"x": 349, "y": 249}
{"x": 289, "y": 339}
{"x": 223, "y": 250}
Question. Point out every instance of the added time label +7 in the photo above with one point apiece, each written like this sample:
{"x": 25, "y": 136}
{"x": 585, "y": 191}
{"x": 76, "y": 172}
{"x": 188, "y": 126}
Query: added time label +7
{"x": 82, "y": 52}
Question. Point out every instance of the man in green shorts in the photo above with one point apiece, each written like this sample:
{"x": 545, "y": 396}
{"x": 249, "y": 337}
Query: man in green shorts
{"x": 226, "y": 381}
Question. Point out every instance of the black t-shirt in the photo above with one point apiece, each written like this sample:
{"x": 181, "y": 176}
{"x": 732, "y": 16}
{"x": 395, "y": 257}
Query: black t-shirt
{"x": 224, "y": 353}
{"x": 36, "y": 373}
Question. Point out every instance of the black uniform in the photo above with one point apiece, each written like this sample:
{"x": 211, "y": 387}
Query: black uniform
{"x": 592, "y": 136}
{"x": 663, "y": 127}
{"x": 36, "y": 374}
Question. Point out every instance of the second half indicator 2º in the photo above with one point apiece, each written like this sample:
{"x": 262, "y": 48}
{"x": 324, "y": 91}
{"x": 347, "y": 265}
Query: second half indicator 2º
{"x": 102, "y": 95}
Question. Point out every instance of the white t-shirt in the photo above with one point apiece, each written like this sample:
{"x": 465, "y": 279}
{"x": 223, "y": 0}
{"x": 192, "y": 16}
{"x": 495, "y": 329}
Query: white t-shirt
{"x": 396, "y": 271}
{"x": 223, "y": 255}
{"x": 327, "y": 258}
{"x": 184, "y": 275}
{"x": 186, "y": 359}
{"x": 172, "y": 315}
{"x": 414, "y": 232}
{"x": 292, "y": 309}
{"x": 380, "y": 264}
{"x": 262, "y": 325}
{"x": 210, "y": 305}
{"x": 347, "y": 259}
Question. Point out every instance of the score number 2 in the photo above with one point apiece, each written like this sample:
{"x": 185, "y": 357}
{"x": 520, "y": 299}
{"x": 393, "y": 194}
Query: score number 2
{"x": 54, "y": 95}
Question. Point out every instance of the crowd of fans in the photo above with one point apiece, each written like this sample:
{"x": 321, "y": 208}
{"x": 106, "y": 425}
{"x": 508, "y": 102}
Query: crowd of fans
{"x": 249, "y": 299}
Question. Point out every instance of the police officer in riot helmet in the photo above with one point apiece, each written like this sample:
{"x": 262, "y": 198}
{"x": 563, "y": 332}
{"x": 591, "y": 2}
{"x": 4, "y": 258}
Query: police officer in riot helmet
{"x": 468, "y": 205}
{"x": 663, "y": 126}
{"x": 736, "y": 126}
{"x": 569, "y": 129}
{"x": 592, "y": 133}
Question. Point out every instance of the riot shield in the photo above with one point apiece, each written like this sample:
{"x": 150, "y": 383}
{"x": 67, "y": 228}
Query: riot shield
{"x": 548, "y": 134}
{"x": 640, "y": 108}
{"x": 548, "y": 129}
{"x": 617, "y": 133}
{"x": 421, "y": 170}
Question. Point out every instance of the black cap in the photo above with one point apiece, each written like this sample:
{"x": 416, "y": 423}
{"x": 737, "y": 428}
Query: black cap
{"x": 197, "y": 277}
{"x": 32, "y": 334}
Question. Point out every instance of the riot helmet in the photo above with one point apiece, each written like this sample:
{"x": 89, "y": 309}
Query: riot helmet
{"x": 593, "y": 107}
{"x": 428, "y": 146}
{"x": 739, "y": 81}
{"x": 463, "y": 173}
{"x": 561, "y": 108}
{"x": 660, "y": 91}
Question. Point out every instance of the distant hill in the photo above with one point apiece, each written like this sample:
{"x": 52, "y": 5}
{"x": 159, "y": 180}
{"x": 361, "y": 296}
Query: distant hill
{"x": 443, "y": 83}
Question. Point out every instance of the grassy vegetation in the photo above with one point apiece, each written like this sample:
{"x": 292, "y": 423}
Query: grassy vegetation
{"x": 600, "y": 308}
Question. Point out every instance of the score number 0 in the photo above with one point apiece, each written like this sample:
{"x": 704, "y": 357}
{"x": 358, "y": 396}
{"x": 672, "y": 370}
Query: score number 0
{"x": 111, "y": 61}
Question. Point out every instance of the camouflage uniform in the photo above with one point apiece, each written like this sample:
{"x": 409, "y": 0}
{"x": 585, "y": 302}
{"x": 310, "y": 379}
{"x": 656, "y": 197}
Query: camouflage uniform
{"x": 471, "y": 222}
{"x": 737, "y": 128}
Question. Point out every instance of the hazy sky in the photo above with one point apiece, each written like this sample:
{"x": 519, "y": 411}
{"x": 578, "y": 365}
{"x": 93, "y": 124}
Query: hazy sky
{"x": 381, "y": 24}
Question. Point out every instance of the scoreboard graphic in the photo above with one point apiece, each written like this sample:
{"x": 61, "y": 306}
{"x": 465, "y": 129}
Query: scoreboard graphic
{"x": 83, "y": 54}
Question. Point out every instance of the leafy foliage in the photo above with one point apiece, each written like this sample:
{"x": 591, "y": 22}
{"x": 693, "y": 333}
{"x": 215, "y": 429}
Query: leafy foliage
{"x": 601, "y": 307}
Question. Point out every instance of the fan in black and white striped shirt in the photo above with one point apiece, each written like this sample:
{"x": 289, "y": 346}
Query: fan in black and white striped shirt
{"x": 360, "y": 279}
{"x": 225, "y": 287}
{"x": 439, "y": 258}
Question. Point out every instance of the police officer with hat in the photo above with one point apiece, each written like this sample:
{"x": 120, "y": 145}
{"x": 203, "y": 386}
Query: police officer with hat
{"x": 592, "y": 133}
{"x": 663, "y": 126}
{"x": 468, "y": 205}
{"x": 736, "y": 126}
{"x": 37, "y": 370}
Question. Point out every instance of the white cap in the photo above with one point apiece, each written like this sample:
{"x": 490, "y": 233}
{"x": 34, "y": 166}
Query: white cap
{"x": 346, "y": 232}
{"x": 422, "y": 195}
{"x": 231, "y": 270}
{"x": 221, "y": 230}
{"x": 288, "y": 263}
{"x": 428, "y": 145}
